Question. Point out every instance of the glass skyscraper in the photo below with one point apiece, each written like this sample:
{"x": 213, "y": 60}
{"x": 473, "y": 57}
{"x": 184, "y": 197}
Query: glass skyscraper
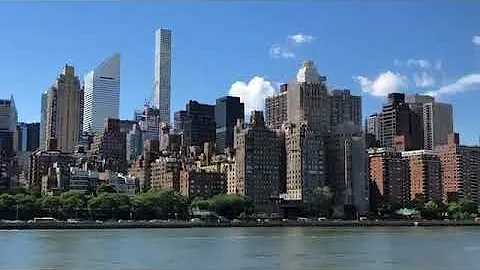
{"x": 102, "y": 94}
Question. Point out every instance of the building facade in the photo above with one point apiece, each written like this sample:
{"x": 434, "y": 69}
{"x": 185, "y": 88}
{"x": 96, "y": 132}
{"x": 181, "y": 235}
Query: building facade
{"x": 63, "y": 123}
{"x": 28, "y": 136}
{"x": 102, "y": 94}
{"x": 276, "y": 108}
{"x": 179, "y": 121}
{"x": 134, "y": 143}
{"x": 110, "y": 146}
{"x": 257, "y": 161}
{"x": 199, "y": 183}
{"x": 8, "y": 122}
{"x": 373, "y": 126}
{"x": 305, "y": 161}
{"x": 43, "y": 120}
{"x": 389, "y": 177}
{"x": 438, "y": 124}
{"x": 425, "y": 174}
{"x": 345, "y": 107}
{"x": 227, "y": 111}
{"x": 163, "y": 57}
{"x": 395, "y": 122}
{"x": 308, "y": 99}
{"x": 199, "y": 126}
{"x": 165, "y": 173}
{"x": 346, "y": 162}
{"x": 41, "y": 161}
{"x": 460, "y": 170}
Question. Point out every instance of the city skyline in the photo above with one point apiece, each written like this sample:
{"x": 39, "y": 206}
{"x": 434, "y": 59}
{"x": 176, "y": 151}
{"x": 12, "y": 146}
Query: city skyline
{"x": 356, "y": 59}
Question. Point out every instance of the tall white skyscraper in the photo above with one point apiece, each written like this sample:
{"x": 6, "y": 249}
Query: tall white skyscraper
{"x": 163, "y": 56}
{"x": 102, "y": 94}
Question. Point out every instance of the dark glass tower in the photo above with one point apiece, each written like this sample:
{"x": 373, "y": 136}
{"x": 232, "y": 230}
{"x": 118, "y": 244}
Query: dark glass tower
{"x": 227, "y": 110}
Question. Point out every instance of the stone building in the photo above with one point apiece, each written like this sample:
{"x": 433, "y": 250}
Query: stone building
{"x": 165, "y": 173}
{"x": 346, "y": 163}
{"x": 305, "y": 161}
{"x": 200, "y": 183}
{"x": 64, "y": 112}
{"x": 257, "y": 161}
{"x": 110, "y": 146}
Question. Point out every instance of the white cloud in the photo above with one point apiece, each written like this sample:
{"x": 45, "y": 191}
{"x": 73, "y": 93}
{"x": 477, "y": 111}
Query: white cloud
{"x": 424, "y": 80}
{"x": 476, "y": 40}
{"x": 438, "y": 64}
{"x": 420, "y": 63}
{"x": 301, "y": 38}
{"x": 252, "y": 94}
{"x": 465, "y": 83}
{"x": 386, "y": 83}
{"x": 278, "y": 52}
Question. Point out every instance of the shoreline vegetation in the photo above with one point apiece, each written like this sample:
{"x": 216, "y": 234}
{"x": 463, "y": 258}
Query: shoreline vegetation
{"x": 104, "y": 208}
{"x": 127, "y": 224}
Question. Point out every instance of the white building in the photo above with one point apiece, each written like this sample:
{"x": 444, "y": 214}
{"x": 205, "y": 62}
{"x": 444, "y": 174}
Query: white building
{"x": 161, "y": 99}
{"x": 102, "y": 94}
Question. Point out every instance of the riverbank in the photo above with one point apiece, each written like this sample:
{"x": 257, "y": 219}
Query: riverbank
{"x": 185, "y": 224}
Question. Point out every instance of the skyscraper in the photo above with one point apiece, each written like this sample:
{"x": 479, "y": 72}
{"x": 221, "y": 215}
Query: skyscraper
{"x": 276, "y": 108}
{"x": 8, "y": 122}
{"x": 308, "y": 99}
{"x": 163, "y": 56}
{"x": 63, "y": 112}
{"x": 437, "y": 123}
{"x": 346, "y": 168}
{"x": 43, "y": 121}
{"x": 305, "y": 161}
{"x": 102, "y": 94}
{"x": 179, "y": 121}
{"x": 373, "y": 125}
{"x": 395, "y": 122}
{"x": 257, "y": 162}
{"x": 345, "y": 107}
{"x": 28, "y": 136}
{"x": 227, "y": 111}
{"x": 199, "y": 124}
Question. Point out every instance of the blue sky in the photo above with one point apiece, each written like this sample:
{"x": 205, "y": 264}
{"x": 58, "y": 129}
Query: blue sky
{"x": 371, "y": 48}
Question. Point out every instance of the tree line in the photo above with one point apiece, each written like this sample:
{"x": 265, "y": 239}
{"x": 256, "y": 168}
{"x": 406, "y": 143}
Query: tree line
{"x": 106, "y": 204}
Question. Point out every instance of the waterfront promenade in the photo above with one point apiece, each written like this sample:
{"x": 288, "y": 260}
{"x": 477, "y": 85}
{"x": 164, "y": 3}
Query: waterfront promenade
{"x": 187, "y": 224}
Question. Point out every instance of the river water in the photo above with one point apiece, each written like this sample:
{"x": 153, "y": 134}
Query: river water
{"x": 382, "y": 248}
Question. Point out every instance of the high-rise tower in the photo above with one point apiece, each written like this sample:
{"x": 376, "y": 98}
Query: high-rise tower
{"x": 163, "y": 56}
{"x": 102, "y": 94}
{"x": 63, "y": 112}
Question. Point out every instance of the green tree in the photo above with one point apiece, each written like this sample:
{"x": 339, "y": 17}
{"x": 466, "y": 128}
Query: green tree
{"x": 28, "y": 206}
{"x": 454, "y": 210}
{"x": 322, "y": 201}
{"x": 431, "y": 210}
{"x": 7, "y": 206}
{"x": 110, "y": 206}
{"x": 229, "y": 206}
{"x": 468, "y": 206}
{"x": 72, "y": 202}
{"x": 50, "y": 205}
{"x": 105, "y": 189}
{"x": 202, "y": 204}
